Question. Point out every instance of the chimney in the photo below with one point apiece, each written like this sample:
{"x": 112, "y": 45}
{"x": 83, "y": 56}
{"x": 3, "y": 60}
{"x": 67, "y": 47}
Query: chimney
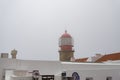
{"x": 4, "y": 55}
{"x": 96, "y": 57}
{"x": 14, "y": 53}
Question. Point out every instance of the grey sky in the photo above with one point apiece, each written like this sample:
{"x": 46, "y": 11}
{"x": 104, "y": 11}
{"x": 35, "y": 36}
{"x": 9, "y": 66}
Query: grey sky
{"x": 33, "y": 27}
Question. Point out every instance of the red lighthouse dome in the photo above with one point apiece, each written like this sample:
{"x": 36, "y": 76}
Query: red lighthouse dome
{"x": 66, "y": 35}
{"x": 66, "y": 41}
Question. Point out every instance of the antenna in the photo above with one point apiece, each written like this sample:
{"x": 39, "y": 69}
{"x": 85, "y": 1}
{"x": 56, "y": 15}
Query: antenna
{"x": 66, "y": 27}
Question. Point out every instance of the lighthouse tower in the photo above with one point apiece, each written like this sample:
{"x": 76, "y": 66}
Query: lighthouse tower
{"x": 66, "y": 53}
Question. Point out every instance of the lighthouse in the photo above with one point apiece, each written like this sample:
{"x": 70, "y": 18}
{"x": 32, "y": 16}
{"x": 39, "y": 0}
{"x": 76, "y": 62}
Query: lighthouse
{"x": 66, "y": 52}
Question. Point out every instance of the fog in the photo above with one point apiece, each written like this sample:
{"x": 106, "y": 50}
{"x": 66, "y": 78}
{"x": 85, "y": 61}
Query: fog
{"x": 33, "y": 27}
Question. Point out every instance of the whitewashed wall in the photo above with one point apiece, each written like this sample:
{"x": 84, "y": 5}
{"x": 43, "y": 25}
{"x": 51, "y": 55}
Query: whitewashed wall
{"x": 96, "y": 74}
{"x": 99, "y": 71}
{"x": 45, "y": 67}
{"x": 21, "y": 78}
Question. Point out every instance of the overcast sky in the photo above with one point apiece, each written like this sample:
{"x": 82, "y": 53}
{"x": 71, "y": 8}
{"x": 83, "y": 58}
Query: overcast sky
{"x": 33, "y": 27}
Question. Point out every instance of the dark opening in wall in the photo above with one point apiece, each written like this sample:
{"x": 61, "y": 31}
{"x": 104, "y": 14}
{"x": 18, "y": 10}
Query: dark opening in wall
{"x": 89, "y": 78}
{"x": 109, "y": 78}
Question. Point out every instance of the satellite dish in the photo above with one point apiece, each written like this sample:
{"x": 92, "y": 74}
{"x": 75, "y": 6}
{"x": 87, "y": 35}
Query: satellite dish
{"x": 76, "y": 76}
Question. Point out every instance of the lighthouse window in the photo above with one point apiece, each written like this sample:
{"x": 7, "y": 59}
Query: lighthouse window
{"x": 89, "y": 78}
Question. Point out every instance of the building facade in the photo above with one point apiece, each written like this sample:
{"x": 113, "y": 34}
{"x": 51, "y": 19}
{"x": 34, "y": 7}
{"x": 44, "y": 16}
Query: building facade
{"x": 14, "y": 69}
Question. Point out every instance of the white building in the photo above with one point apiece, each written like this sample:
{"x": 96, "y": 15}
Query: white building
{"x": 14, "y": 69}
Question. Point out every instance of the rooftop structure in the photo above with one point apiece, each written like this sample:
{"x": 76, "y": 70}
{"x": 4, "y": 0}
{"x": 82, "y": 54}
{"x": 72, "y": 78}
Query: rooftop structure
{"x": 107, "y": 57}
